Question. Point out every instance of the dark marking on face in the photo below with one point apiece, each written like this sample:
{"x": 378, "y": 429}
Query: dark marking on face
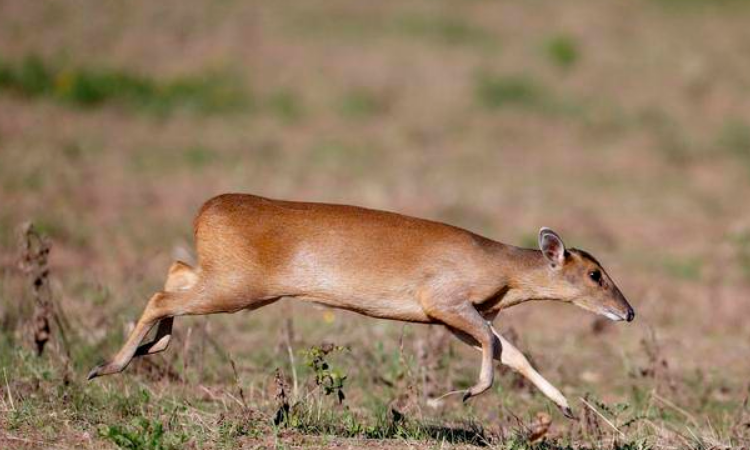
{"x": 585, "y": 256}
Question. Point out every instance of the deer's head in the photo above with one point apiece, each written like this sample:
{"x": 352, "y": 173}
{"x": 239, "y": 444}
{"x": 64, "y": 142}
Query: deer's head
{"x": 581, "y": 280}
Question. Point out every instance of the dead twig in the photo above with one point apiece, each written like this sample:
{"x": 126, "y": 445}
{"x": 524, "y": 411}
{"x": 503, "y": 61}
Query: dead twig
{"x": 607, "y": 421}
{"x": 34, "y": 252}
{"x": 289, "y": 341}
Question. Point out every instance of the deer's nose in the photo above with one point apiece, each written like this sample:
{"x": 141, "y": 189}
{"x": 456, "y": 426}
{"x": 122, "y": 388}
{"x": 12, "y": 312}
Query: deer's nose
{"x": 631, "y": 315}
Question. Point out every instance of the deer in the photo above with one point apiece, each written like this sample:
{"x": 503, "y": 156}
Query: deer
{"x": 253, "y": 251}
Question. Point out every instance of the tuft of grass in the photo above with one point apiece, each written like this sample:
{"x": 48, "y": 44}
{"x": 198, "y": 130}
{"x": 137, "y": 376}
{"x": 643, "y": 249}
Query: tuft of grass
{"x": 286, "y": 105}
{"x": 90, "y": 87}
{"x": 740, "y": 242}
{"x": 193, "y": 158}
{"x": 441, "y": 29}
{"x": 496, "y": 92}
{"x": 361, "y": 103}
{"x": 734, "y": 138}
{"x": 142, "y": 434}
{"x": 698, "y": 5}
{"x": 683, "y": 268}
{"x": 339, "y": 156}
{"x": 563, "y": 51}
{"x": 669, "y": 135}
{"x": 197, "y": 157}
{"x": 444, "y": 29}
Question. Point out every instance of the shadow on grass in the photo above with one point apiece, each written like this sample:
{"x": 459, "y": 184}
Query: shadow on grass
{"x": 457, "y": 435}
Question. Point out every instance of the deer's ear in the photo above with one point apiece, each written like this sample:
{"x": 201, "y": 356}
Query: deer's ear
{"x": 552, "y": 247}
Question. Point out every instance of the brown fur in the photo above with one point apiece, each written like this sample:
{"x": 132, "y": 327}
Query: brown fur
{"x": 253, "y": 251}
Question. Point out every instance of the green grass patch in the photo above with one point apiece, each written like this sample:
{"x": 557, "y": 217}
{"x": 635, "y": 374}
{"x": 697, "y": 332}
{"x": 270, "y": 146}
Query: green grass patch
{"x": 562, "y": 51}
{"x": 91, "y": 87}
{"x": 700, "y": 5}
{"x": 496, "y": 92}
{"x": 670, "y": 138}
{"x": 142, "y": 434}
{"x": 342, "y": 157}
{"x": 361, "y": 103}
{"x": 197, "y": 157}
{"x": 285, "y": 104}
{"x": 444, "y": 29}
{"x": 167, "y": 160}
{"x": 505, "y": 92}
{"x": 687, "y": 268}
{"x": 734, "y": 138}
{"x": 441, "y": 29}
{"x": 740, "y": 242}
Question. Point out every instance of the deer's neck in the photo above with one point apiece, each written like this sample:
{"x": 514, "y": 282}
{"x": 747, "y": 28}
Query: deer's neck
{"x": 526, "y": 275}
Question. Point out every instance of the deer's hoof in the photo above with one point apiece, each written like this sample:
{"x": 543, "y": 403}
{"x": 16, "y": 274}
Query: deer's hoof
{"x": 467, "y": 396}
{"x": 101, "y": 369}
{"x": 93, "y": 373}
{"x": 567, "y": 412}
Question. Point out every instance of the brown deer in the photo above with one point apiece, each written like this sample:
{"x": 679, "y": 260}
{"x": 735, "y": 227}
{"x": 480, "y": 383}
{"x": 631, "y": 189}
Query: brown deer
{"x": 252, "y": 251}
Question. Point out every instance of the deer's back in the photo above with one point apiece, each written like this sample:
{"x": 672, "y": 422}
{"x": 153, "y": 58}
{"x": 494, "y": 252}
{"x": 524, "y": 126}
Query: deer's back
{"x": 314, "y": 248}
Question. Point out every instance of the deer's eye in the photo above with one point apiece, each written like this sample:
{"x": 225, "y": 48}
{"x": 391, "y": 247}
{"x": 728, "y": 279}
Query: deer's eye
{"x": 596, "y": 276}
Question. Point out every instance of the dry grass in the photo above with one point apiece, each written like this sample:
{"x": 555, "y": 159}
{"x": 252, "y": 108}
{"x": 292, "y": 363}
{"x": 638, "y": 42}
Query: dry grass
{"x": 623, "y": 125}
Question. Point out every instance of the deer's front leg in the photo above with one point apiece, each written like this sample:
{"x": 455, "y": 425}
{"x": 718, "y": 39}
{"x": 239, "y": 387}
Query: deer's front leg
{"x": 465, "y": 319}
{"x": 508, "y": 354}
{"x": 513, "y": 358}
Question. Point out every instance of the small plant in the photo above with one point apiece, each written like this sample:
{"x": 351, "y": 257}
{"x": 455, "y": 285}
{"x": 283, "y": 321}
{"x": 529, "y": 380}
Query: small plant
{"x": 35, "y": 248}
{"x": 330, "y": 380}
{"x": 142, "y": 435}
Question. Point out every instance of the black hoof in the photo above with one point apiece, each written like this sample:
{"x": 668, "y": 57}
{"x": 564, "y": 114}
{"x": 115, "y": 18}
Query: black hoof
{"x": 95, "y": 372}
{"x": 467, "y": 396}
{"x": 567, "y": 412}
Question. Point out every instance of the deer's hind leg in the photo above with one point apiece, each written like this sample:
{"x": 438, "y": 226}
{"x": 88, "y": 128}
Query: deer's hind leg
{"x": 161, "y": 308}
{"x": 185, "y": 293}
{"x": 162, "y": 305}
{"x": 181, "y": 277}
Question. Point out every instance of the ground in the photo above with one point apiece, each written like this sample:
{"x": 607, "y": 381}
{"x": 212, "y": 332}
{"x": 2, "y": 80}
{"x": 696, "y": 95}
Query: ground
{"x": 623, "y": 125}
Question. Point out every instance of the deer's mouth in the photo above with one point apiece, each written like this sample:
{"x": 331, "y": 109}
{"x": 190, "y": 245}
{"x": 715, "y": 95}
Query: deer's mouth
{"x": 612, "y": 316}
{"x": 617, "y": 316}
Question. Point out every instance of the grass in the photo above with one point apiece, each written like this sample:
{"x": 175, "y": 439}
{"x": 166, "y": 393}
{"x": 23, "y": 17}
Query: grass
{"x": 686, "y": 268}
{"x": 700, "y": 5}
{"x": 142, "y": 435}
{"x": 157, "y": 404}
{"x": 563, "y": 51}
{"x": 445, "y": 30}
{"x": 734, "y": 138}
{"x": 90, "y": 87}
{"x": 501, "y": 92}
{"x": 361, "y": 103}
{"x": 348, "y": 158}
{"x": 740, "y": 243}
{"x": 496, "y": 92}
{"x": 285, "y": 104}
{"x": 442, "y": 30}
